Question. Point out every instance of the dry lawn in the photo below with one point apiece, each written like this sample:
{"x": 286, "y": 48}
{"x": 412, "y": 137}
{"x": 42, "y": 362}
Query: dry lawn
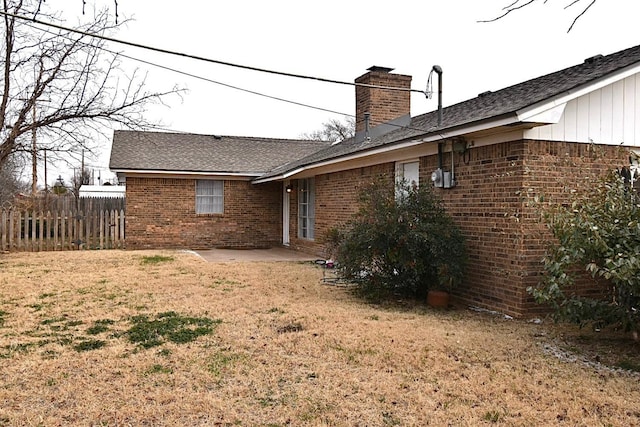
{"x": 282, "y": 349}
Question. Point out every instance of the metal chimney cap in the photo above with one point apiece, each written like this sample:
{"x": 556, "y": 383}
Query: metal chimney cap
{"x": 377, "y": 68}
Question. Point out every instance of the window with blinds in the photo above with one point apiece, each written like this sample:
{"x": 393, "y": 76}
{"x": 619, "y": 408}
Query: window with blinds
{"x": 209, "y": 196}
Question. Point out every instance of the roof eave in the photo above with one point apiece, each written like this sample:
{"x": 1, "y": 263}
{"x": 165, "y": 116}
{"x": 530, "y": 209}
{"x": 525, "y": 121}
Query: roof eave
{"x": 532, "y": 112}
{"x": 435, "y": 136}
{"x": 190, "y": 173}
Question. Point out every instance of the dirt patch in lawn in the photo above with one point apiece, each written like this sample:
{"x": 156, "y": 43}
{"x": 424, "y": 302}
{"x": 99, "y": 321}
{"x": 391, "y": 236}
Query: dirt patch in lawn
{"x": 164, "y": 338}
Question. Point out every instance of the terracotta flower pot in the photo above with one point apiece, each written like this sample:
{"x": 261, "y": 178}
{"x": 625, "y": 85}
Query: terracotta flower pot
{"x": 438, "y": 299}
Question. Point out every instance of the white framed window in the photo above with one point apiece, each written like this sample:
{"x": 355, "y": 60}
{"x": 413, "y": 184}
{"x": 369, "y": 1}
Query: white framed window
{"x": 306, "y": 208}
{"x": 209, "y": 196}
{"x": 408, "y": 173}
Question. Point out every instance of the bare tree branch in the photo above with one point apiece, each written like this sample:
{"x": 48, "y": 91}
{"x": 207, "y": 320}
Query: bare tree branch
{"x": 64, "y": 85}
{"x": 517, "y": 5}
{"x": 508, "y": 9}
{"x": 334, "y": 130}
{"x": 581, "y": 13}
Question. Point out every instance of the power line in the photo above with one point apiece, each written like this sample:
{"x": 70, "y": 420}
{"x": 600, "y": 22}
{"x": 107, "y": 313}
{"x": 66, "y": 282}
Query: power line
{"x": 209, "y": 80}
{"x": 84, "y": 33}
{"x": 200, "y": 58}
{"x": 253, "y": 92}
{"x": 301, "y": 104}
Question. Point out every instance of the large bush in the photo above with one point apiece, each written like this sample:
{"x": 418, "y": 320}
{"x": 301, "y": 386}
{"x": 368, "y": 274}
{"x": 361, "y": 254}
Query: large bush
{"x": 598, "y": 234}
{"x": 400, "y": 244}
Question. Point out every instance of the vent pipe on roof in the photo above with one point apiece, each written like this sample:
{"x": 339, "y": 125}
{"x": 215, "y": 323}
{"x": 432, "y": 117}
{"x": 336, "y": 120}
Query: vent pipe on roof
{"x": 438, "y": 71}
{"x": 593, "y": 59}
{"x": 367, "y": 117}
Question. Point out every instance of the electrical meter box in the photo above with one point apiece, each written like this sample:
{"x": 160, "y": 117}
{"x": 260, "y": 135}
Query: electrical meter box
{"x": 442, "y": 179}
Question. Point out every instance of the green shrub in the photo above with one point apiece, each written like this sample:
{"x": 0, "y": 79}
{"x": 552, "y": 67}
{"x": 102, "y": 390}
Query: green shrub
{"x": 399, "y": 244}
{"x": 597, "y": 234}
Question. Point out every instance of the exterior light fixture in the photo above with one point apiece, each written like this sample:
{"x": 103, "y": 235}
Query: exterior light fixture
{"x": 288, "y": 188}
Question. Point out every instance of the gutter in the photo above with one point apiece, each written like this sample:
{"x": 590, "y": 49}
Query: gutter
{"x": 544, "y": 112}
{"x": 435, "y": 136}
{"x": 193, "y": 173}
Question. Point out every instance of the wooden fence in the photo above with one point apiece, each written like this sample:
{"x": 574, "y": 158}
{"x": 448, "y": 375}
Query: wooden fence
{"x": 61, "y": 230}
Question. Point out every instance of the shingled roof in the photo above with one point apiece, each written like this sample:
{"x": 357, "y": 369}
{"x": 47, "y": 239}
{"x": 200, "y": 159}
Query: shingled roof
{"x": 490, "y": 106}
{"x": 183, "y": 152}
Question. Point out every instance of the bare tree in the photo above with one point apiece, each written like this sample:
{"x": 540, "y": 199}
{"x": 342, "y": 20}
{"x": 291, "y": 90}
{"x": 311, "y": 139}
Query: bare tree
{"x": 520, "y": 4}
{"x": 81, "y": 176}
{"x": 334, "y": 130}
{"x": 84, "y": 4}
{"x": 63, "y": 85}
{"x": 10, "y": 184}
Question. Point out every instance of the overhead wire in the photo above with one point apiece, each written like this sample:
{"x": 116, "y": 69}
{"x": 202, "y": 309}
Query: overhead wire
{"x": 253, "y": 92}
{"x": 204, "y": 59}
{"x": 427, "y": 92}
{"x": 209, "y": 80}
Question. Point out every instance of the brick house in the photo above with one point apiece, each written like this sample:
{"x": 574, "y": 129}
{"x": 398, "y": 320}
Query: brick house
{"x": 196, "y": 191}
{"x": 489, "y": 157}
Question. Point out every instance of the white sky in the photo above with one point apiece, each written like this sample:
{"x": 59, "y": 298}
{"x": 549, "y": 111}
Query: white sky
{"x": 340, "y": 39}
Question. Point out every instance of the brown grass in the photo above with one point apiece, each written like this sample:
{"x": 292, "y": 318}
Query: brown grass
{"x": 288, "y": 351}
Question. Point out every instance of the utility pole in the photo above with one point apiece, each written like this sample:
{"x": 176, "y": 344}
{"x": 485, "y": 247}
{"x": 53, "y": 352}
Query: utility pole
{"x": 46, "y": 185}
{"x": 34, "y": 155}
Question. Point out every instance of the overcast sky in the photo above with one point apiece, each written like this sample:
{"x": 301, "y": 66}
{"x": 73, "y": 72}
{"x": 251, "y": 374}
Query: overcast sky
{"x": 340, "y": 40}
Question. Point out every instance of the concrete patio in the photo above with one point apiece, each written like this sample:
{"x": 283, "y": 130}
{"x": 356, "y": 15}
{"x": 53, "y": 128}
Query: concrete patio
{"x": 268, "y": 255}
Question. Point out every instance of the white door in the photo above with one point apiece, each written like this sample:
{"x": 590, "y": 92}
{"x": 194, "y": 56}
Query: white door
{"x": 286, "y": 188}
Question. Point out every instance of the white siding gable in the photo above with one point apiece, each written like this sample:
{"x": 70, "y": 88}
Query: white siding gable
{"x": 609, "y": 115}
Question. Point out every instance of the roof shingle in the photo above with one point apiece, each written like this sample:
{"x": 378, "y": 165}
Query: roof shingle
{"x": 180, "y": 152}
{"x": 489, "y": 106}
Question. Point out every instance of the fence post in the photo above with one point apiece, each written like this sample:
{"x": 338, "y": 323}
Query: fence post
{"x": 32, "y": 224}
{"x": 12, "y": 224}
{"x": 47, "y": 231}
{"x": 112, "y": 228}
{"x": 56, "y": 228}
{"x": 94, "y": 230}
{"x": 63, "y": 229}
{"x": 19, "y": 230}
{"x": 101, "y": 228}
{"x": 116, "y": 229}
{"x": 87, "y": 229}
{"x": 40, "y": 231}
{"x": 3, "y": 230}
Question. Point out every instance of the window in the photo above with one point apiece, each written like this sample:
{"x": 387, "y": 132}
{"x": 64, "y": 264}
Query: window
{"x": 407, "y": 173}
{"x": 306, "y": 208}
{"x": 209, "y": 197}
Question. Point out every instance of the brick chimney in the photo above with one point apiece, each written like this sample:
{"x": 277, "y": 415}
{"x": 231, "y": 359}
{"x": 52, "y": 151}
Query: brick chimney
{"x": 384, "y": 105}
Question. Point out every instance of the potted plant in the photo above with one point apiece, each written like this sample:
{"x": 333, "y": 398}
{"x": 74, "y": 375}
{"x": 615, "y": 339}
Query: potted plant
{"x": 439, "y": 296}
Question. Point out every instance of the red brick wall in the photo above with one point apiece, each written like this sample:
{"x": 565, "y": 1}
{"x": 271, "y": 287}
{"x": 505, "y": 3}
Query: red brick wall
{"x": 336, "y": 202}
{"x": 555, "y": 170}
{"x": 161, "y": 214}
{"x": 383, "y": 104}
{"x": 493, "y": 203}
